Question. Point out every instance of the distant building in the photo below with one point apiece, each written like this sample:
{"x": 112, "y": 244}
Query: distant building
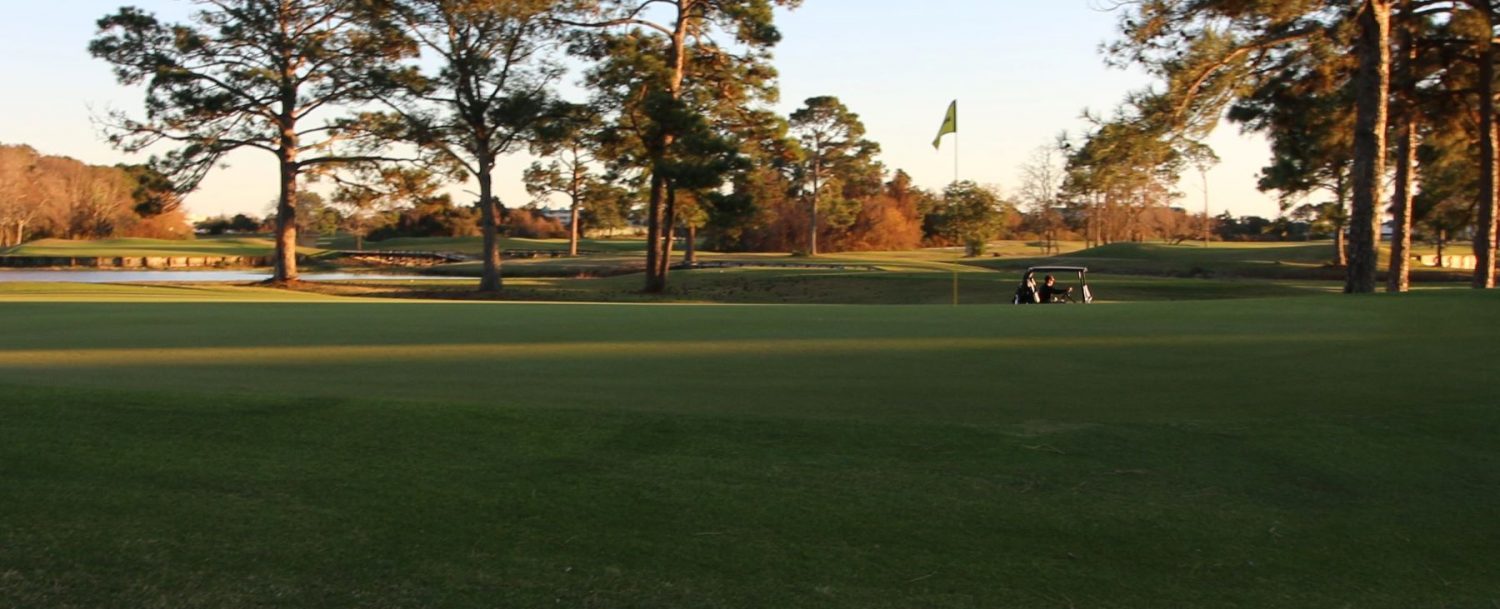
{"x": 564, "y": 216}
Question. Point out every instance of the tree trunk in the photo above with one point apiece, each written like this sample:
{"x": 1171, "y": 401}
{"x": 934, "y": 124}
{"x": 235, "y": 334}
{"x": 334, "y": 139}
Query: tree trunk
{"x": 690, "y": 247}
{"x": 573, "y": 228}
{"x": 812, "y": 229}
{"x": 1484, "y": 234}
{"x": 1341, "y": 247}
{"x": 1398, "y": 278}
{"x": 286, "y": 206}
{"x": 1372, "y": 89}
{"x": 1340, "y": 226}
{"x": 670, "y": 230}
{"x": 1442, "y": 240}
{"x": 1093, "y": 225}
{"x": 575, "y": 195}
{"x": 286, "y": 222}
{"x": 489, "y": 220}
{"x": 1203, "y": 175}
{"x": 1091, "y": 218}
{"x": 659, "y": 235}
{"x": 655, "y": 283}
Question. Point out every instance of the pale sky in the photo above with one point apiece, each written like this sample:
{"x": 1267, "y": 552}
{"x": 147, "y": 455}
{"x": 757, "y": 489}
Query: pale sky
{"x": 1022, "y": 70}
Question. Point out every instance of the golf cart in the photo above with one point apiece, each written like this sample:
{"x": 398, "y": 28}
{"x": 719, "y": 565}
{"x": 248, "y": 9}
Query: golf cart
{"x": 1031, "y": 293}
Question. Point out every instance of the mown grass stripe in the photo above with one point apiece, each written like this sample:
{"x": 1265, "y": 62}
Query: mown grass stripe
{"x": 308, "y": 354}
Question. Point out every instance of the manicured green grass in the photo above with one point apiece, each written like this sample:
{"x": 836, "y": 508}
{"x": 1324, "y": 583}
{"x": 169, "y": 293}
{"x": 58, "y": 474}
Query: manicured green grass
{"x": 205, "y": 246}
{"x": 1296, "y": 260}
{"x": 816, "y": 286}
{"x": 1323, "y": 451}
{"x": 474, "y": 245}
{"x": 907, "y": 287}
{"x": 599, "y": 265}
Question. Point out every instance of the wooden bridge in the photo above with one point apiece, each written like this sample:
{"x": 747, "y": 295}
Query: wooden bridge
{"x": 828, "y": 266}
{"x": 401, "y": 258}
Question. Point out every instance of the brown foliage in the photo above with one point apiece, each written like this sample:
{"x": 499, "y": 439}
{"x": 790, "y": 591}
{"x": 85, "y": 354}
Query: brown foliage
{"x": 59, "y": 196}
{"x": 884, "y": 223}
{"x": 531, "y": 224}
{"x": 881, "y": 223}
{"x": 169, "y": 225}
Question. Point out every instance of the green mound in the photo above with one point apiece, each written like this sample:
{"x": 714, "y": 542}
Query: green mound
{"x": 209, "y": 246}
{"x": 1287, "y": 261}
{"x": 475, "y": 245}
{"x": 1218, "y": 253}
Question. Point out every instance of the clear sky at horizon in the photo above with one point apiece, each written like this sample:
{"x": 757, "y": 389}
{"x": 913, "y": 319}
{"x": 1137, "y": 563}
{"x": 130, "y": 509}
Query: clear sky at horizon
{"x": 1023, "y": 71}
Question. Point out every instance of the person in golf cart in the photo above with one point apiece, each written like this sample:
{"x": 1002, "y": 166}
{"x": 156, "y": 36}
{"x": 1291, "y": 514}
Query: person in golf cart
{"x": 1050, "y": 292}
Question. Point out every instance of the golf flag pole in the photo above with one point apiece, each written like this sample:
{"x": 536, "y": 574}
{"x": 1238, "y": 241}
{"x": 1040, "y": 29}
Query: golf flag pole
{"x": 950, "y": 125}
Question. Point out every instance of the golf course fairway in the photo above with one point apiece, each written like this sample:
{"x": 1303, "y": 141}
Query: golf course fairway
{"x": 1318, "y": 451}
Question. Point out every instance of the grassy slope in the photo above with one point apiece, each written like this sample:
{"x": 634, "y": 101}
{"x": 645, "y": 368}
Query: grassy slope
{"x": 474, "y": 245}
{"x": 1268, "y": 260}
{"x": 812, "y": 286}
{"x": 794, "y": 286}
{"x": 1241, "y": 453}
{"x": 208, "y": 246}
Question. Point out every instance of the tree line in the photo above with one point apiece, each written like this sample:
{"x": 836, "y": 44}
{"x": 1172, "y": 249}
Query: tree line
{"x": 390, "y": 99}
{"x": 53, "y": 196}
{"x": 386, "y": 97}
{"x": 1352, "y": 95}
{"x": 420, "y": 214}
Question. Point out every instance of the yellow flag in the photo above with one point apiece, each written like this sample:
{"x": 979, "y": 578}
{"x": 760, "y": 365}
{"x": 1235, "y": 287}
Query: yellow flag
{"x": 950, "y": 125}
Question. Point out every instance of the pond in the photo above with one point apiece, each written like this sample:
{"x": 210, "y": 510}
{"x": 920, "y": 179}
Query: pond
{"x": 55, "y": 276}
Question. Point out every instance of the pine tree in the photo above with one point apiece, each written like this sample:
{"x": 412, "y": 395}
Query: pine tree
{"x": 247, "y": 74}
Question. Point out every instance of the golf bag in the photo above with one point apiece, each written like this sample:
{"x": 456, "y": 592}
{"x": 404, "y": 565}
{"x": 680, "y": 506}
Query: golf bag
{"x": 1026, "y": 294}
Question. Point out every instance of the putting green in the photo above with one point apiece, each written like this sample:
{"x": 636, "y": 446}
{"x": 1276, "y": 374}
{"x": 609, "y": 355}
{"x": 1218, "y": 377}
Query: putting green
{"x": 1315, "y": 451}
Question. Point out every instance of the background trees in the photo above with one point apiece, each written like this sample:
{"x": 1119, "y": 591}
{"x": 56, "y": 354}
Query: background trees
{"x": 1305, "y": 108}
{"x": 219, "y": 225}
{"x": 971, "y": 215}
{"x": 569, "y": 141}
{"x": 20, "y": 195}
{"x": 1041, "y": 186}
{"x": 1126, "y": 168}
{"x": 247, "y": 74}
{"x": 484, "y": 97}
{"x": 836, "y": 161}
{"x": 676, "y": 128}
{"x": 1329, "y": 83}
{"x": 669, "y": 79}
{"x": 50, "y": 196}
